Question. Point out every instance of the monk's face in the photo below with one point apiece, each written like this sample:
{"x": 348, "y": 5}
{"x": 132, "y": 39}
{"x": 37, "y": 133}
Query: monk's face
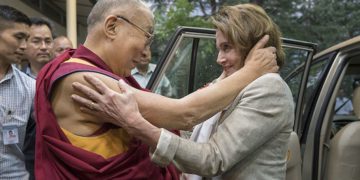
{"x": 135, "y": 36}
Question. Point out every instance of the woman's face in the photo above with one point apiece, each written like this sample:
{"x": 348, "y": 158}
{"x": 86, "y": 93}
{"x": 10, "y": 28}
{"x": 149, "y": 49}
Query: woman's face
{"x": 228, "y": 57}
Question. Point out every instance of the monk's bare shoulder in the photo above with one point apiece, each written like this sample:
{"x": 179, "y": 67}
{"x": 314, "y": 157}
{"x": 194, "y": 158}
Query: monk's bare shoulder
{"x": 68, "y": 112}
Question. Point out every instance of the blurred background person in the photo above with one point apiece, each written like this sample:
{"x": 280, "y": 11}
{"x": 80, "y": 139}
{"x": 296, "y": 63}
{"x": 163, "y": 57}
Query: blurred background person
{"x": 343, "y": 105}
{"x": 23, "y": 63}
{"x": 61, "y": 44}
{"x": 144, "y": 70}
{"x": 39, "y": 45}
{"x": 37, "y": 54}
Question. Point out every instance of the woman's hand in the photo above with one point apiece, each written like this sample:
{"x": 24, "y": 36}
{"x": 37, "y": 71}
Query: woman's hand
{"x": 106, "y": 103}
{"x": 262, "y": 60}
{"x": 120, "y": 108}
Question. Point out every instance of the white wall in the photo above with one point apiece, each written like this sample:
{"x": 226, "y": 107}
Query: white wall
{"x": 58, "y": 29}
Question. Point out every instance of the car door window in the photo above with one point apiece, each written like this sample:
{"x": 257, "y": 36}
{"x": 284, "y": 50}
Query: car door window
{"x": 294, "y": 73}
{"x": 345, "y": 110}
{"x": 206, "y": 67}
{"x": 295, "y": 58}
{"x": 177, "y": 72}
{"x": 316, "y": 73}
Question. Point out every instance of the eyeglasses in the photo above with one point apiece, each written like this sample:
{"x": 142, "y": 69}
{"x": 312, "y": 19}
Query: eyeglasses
{"x": 149, "y": 36}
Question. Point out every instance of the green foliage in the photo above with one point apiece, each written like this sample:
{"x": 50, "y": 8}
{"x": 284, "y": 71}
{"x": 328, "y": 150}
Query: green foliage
{"x": 169, "y": 18}
{"x": 325, "y": 22}
{"x": 177, "y": 15}
{"x": 328, "y": 22}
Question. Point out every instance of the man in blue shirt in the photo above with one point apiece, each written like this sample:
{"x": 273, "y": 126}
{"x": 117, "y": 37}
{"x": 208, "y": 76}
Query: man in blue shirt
{"x": 39, "y": 45}
{"x": 343, "y": 105}
{"x": 16, "y": 93}
{"x": 143, "y": 72}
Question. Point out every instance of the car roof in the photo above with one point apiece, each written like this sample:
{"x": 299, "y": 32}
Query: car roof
{"x": 338, "y": 46}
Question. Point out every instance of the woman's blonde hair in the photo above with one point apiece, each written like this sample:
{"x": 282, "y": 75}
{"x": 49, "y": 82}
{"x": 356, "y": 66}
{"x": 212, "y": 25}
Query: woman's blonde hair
{"x": 244, "y": 25}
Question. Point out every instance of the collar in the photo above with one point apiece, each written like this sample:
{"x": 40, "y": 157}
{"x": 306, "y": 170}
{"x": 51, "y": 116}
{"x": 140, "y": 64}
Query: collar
{"x": 9, "y": 74}
{"x": 83, "y": 52}
{"x": 29, "y": 73}
{"x": 150, "y": 69}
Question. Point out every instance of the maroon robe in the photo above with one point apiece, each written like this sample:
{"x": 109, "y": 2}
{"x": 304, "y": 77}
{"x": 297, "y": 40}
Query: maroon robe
{"x": 56, "y": 158}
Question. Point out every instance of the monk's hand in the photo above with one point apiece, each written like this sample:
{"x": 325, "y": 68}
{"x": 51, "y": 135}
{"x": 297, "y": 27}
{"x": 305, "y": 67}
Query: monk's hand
{"x": 262, "y": 60}
{"x": 103, "y": 102}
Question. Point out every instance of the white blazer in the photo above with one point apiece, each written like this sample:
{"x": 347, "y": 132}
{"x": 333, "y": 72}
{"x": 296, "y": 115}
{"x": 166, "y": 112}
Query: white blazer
{"x": 250, "y": 141}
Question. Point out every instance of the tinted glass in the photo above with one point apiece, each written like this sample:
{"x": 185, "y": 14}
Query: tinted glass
{"x": 178, "y": 70}
{"x": 206, "y": 67}
{"x": 316, "y": 73}
{"x": 292, "y": 71}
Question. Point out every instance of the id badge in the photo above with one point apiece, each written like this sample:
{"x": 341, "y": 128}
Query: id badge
{"x": 10, "y": 134}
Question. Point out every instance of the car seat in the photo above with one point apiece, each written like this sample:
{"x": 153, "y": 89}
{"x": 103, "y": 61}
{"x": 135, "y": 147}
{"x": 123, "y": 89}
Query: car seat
{"x": 343, "y": 158}
{"x": 356, "y": 101}
{"x": 293, "y": 164}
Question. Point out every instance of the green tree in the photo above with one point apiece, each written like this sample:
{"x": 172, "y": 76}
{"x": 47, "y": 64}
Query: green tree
{"x": 325, "y": 22}
{"x": 169, "y": 18}
{"x": 328, "y": 22}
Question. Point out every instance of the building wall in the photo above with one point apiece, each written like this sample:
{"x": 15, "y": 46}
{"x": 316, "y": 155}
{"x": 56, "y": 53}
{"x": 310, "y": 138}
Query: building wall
{"x": 58, "y": 29}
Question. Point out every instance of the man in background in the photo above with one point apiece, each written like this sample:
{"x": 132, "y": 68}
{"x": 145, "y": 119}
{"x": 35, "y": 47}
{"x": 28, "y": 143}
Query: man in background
{"x": 343, "y": 105}
{"x": 61, "y": 44}
{"x": 16, "y": 93}
{"x": 37, "y": 54}
{"x": 144, "y": 70}
{"x": 39, "y": 46}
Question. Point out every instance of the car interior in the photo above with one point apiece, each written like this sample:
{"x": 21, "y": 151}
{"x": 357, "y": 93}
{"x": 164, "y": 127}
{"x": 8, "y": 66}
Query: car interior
{"x": 339, "y": 154}
{"x": 356, "y": 99}
{"x": 342, "y": 160}
{"x": 352, "y": 100}
{"x": 293, "y": 164}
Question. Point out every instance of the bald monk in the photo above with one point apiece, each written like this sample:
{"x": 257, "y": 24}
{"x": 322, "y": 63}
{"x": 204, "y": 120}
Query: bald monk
{"x": 71, "y": 144}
